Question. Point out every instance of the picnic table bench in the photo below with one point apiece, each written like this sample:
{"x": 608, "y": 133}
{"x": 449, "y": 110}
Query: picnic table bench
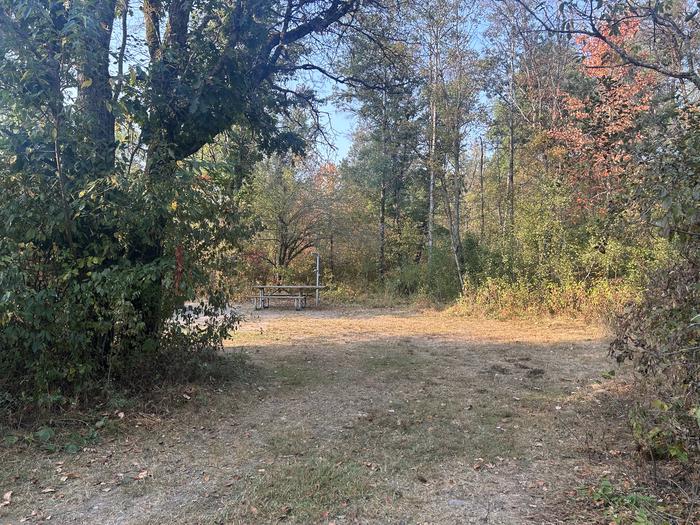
{"x": 296, "y": 292}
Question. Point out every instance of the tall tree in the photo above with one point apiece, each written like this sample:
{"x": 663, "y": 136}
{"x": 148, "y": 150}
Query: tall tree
{"x": 289, "y": 210}
{"x": 382, "y": 96}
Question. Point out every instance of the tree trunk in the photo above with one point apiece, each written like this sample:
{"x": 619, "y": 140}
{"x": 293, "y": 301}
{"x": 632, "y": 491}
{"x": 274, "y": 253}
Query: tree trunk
{"x": 432, "y": 151}
{"x": 481, "y": 186}
{"x": 95, "y": 91}
{"x": 511, "y": 149}
{"x": 56, "y": 108}
{"x": 453, "y": 239}
{"x": 382, "y": 229}
{"x": 511, "y": 173}
{"x": 382, "y": 191}
{"x": 457, "y": 194}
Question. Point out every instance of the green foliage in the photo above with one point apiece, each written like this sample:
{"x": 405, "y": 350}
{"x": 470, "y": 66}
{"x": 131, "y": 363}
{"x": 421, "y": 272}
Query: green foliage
{"x": 58, "y": 437}
{"x": 120, "y": 191}
{"x": 626, "y": 507}
{"x": 68, "y": 339}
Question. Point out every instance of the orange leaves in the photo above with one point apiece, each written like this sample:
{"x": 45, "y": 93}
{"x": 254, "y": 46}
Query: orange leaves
{"x": 599, "y": 59}
{"x": 326, "y": 177}
{"x": 598, "y": 127}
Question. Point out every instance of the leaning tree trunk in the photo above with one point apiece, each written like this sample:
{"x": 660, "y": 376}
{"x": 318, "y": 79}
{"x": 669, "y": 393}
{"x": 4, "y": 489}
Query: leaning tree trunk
{"x": 453, "y": 239}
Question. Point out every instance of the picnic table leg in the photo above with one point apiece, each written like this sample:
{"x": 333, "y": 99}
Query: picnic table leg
{"x": 318, "y": 296}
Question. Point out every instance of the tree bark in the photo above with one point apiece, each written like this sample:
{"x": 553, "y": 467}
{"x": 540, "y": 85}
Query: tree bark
{"x": 511, "y": 173}
{"x": 453, "y": 239}
{"x": 382, "y": 229}
{"x": 511, "y": 145}
{"x": 95, "y": 91}
{"x": 457, "y": 193}
{"x": 431, "y": 157}
{"x": 481, "y": 186}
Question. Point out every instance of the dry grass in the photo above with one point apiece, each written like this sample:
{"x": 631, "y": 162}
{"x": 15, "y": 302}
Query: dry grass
{"x": 352, "y": 416}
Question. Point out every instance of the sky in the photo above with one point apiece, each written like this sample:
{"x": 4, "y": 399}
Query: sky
{"x": 340, "y": 125}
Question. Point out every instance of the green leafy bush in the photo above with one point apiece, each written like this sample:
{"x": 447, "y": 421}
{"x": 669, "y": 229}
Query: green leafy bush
{"x": 68, "y": 339}
{"x": 661, "y": 335}
{"x": 94, "y": 315}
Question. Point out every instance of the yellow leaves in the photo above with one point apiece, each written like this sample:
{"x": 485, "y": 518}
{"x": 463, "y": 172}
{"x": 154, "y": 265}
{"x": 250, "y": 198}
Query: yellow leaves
{"x": 86, "y": 83}
{"x": 173, "y": 206}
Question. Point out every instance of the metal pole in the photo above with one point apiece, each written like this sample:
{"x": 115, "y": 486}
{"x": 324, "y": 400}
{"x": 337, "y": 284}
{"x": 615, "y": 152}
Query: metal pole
{"x": 318, "y": 278}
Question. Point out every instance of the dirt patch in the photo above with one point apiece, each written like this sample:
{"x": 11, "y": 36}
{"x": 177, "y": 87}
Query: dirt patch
{"x": 350, "y": 416}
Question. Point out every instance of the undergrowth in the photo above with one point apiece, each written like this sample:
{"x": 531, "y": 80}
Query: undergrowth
{"x": 76, "y": 426}
{"x": 503, "y": 299}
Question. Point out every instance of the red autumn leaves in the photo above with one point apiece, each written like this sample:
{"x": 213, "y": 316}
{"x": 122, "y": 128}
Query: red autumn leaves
{"x": 598, "y": 129}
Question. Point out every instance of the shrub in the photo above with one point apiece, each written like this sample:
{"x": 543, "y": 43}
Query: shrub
{"x": 661, "y": 336}
{"x": 64, "y": 340}
{"x": 504, "y": 298}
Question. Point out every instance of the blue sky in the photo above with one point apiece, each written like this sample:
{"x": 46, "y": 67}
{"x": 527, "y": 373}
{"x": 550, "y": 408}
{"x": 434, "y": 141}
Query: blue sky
{"x": 341, "y": 125}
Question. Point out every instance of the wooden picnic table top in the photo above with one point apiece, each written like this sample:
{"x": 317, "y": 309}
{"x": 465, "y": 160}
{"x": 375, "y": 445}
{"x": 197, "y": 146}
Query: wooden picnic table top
{"x": 289, "y": 286}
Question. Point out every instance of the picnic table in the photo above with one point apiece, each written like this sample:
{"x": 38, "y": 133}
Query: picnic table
{"x": 297, "y": 292}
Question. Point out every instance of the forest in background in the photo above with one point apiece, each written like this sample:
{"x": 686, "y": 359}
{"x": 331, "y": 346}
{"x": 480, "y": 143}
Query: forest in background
{"x": 492, "y": 160}
{"x": 509, "y": 158}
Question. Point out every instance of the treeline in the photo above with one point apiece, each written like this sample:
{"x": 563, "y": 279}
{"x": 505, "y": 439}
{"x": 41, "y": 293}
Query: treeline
{"x": 494, "y": 157}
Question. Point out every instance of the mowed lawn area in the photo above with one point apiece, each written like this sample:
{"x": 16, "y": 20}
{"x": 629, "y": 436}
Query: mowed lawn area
{"x": 354, "y": 416}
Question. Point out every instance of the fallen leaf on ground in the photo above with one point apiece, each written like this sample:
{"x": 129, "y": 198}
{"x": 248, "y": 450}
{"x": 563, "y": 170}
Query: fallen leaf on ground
{"x": 47, "y": 490}
{"x": 6, "y": 499}
{"x": 141, "y": 475}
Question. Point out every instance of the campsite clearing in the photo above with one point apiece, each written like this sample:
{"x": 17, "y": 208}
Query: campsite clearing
{"x": 356, "y": 416}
